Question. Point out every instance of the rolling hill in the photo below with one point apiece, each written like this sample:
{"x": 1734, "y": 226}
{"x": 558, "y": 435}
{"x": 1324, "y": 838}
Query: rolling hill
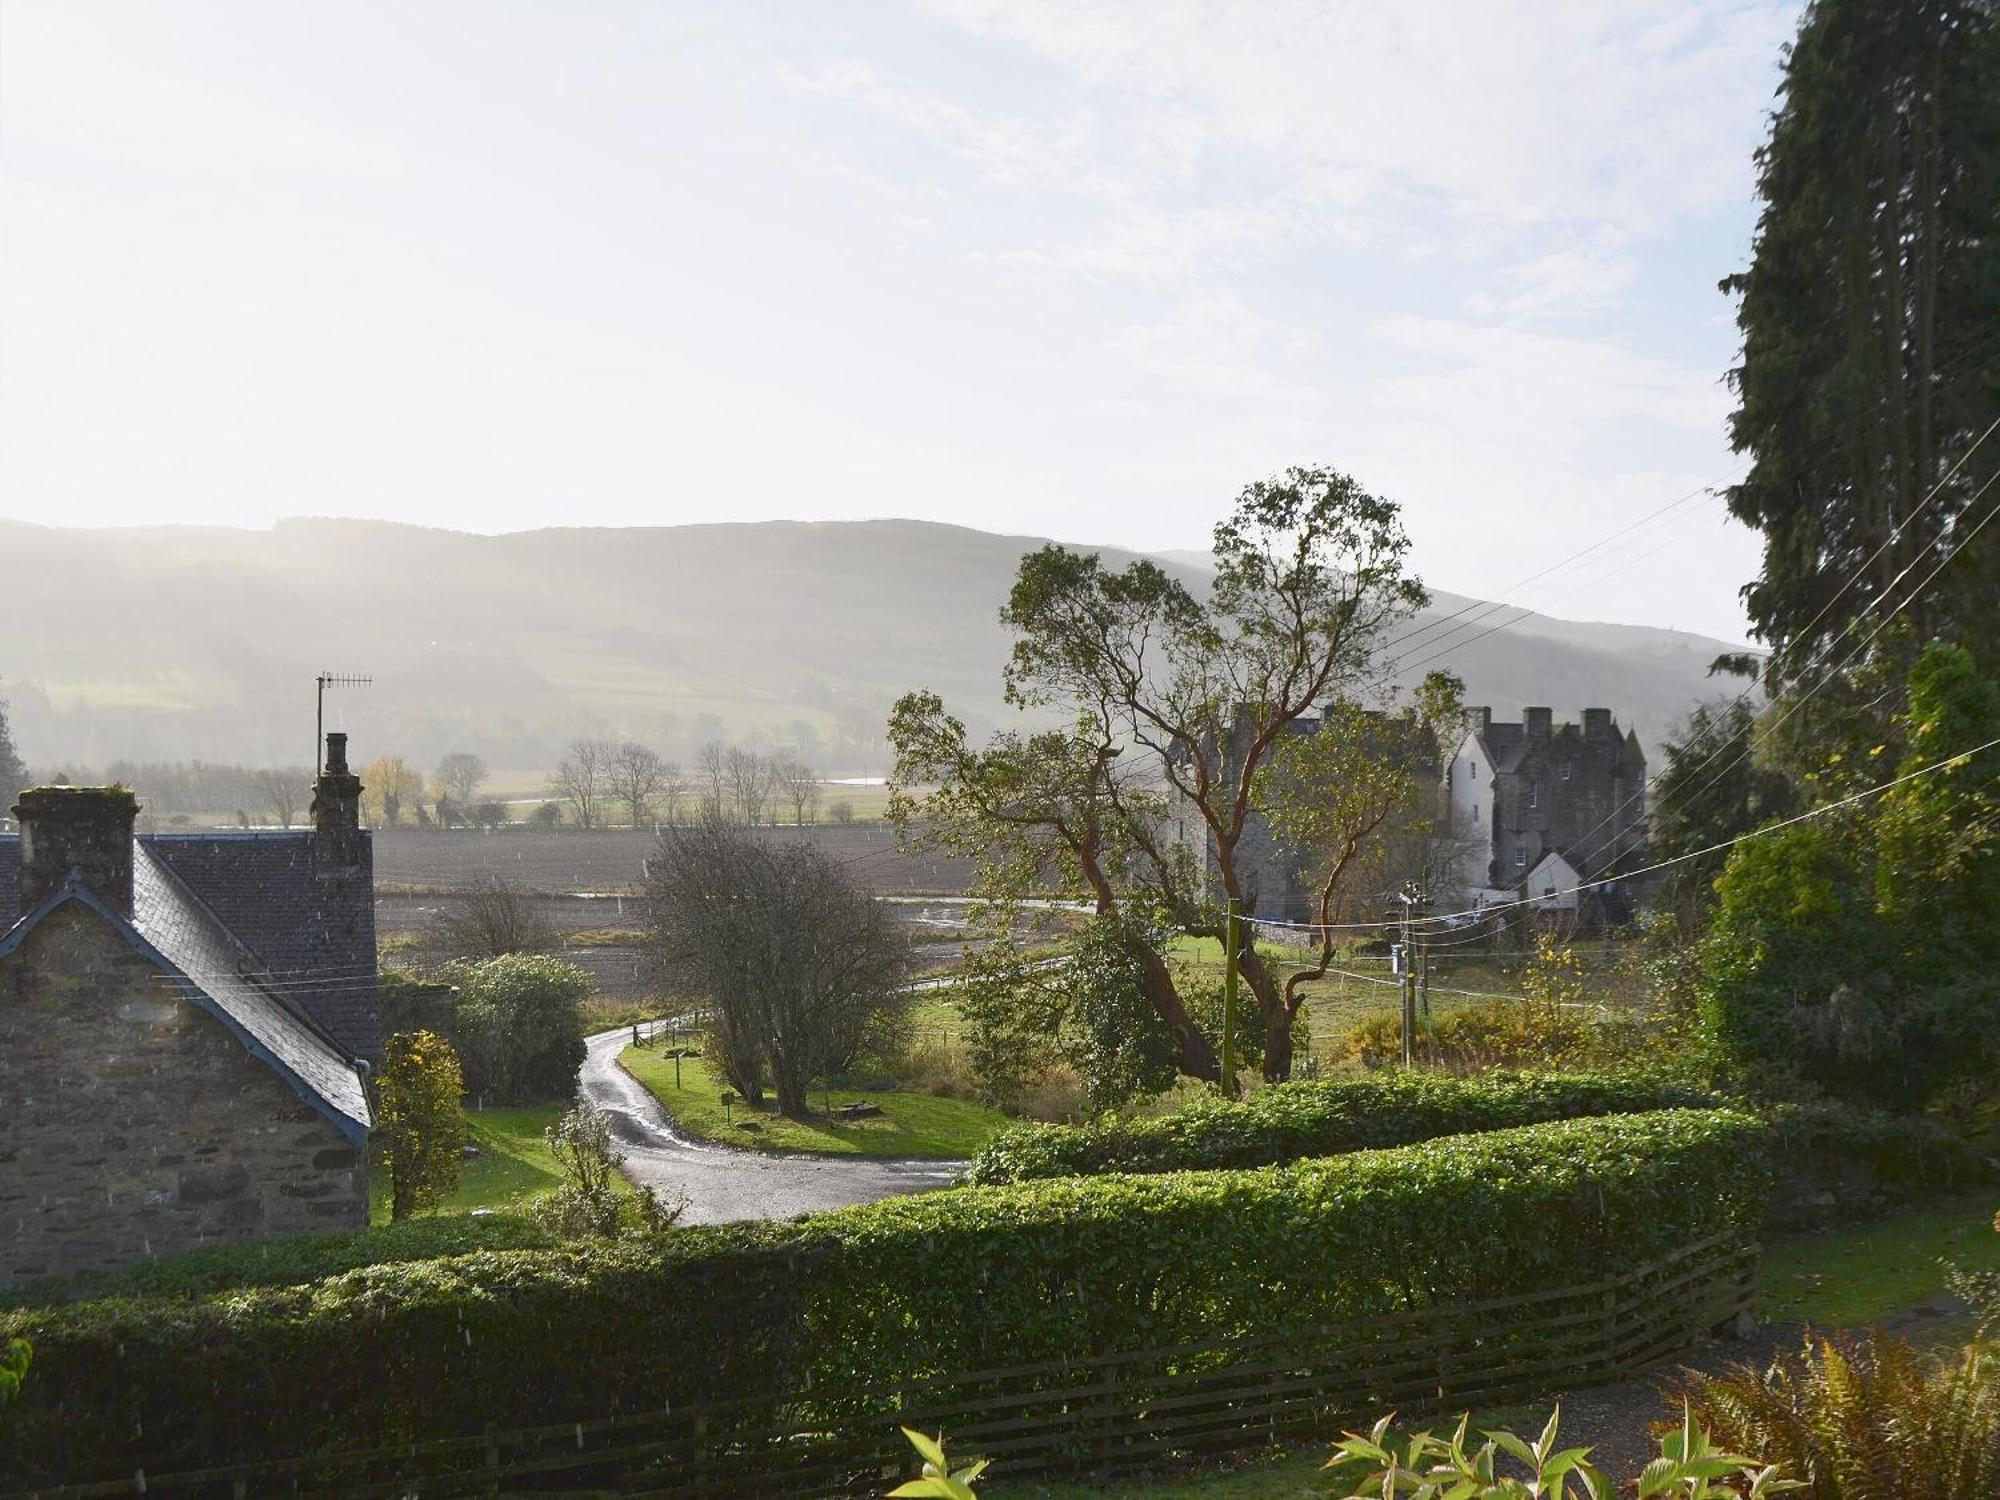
{"x": 193, "y": 642}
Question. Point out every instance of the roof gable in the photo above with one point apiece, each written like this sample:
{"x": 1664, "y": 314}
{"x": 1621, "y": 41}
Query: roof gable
{"x": 170, "y": 929}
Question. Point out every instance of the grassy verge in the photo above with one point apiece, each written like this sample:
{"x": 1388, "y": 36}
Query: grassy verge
{"x": 1861, "y": 1274}
{"x": 910, "y": 1124}
{"x": 513, "y": 1164}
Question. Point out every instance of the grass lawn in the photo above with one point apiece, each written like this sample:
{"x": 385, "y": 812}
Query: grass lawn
{"x": 513, "y": 1166}
{"x": 910, "y": 1124}
{"x": 1861, "y": 1274}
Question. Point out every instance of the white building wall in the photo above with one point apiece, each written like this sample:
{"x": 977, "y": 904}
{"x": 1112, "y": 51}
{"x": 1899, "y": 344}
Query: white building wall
{"x": 1468, "y": 794}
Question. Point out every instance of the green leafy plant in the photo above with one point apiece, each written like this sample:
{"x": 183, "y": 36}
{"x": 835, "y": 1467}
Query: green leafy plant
{"x": 939, "y": 1480}
{"x": 14, "y": 1368}
{"x": 1426, "y": 1467}
{"x": 1869, "y": 1418}
{"x": 419, "y": 1124}
{"x": 520, "y": 1035}
{"x": 588, "y": 1203}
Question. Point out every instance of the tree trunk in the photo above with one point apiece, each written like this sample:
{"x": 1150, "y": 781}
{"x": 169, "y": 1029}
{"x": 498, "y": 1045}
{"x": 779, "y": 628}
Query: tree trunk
{"x": 1194, "y": 1056}
{"x": 1271, "y": 1006}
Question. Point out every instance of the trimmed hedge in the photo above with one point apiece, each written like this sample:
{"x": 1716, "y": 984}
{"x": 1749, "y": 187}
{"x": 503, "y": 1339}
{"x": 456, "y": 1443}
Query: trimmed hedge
{"x": 1834, "y": 1163}
{"x": 289, "y": 1262}
{"x": 1298, "y": 1120}
{"x": 899, "y": 1290}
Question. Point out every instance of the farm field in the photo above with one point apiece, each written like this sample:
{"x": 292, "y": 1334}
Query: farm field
{"x": 613, "y": 860}
{"x": 911, "y": 1124}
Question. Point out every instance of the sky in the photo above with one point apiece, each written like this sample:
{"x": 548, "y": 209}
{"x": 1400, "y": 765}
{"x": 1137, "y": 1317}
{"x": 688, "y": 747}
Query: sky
{"x": 1075, "y": 270}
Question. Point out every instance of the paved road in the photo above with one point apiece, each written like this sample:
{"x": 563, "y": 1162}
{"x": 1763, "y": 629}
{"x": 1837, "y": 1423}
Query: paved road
{"x": 726, "y": 1184}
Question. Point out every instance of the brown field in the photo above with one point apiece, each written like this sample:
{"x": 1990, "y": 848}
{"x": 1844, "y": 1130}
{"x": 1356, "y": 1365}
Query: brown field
{"x": 611, "y": 860}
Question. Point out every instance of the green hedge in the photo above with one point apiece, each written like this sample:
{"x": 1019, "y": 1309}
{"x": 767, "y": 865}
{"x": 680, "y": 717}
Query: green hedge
{"x": 1298, "y": 1120}
{"x": 306, "y": 1257}
{"x": 949, "y": 1281}
{"x": 1833, "y": 1163}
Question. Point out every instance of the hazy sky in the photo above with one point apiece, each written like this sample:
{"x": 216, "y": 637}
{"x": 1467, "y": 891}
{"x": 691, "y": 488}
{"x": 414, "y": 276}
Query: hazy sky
{"x": 1077, "y": 270}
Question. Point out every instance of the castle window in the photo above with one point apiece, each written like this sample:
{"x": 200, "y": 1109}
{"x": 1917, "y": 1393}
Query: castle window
{"x": 1566, "y": 768}
{"x": 1534, "y": 793}
{"x": 1475, "y": 770}
{"x": 1520, "y": 856}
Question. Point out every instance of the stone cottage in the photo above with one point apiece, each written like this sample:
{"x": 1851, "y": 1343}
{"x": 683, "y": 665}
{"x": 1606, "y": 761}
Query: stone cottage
{"x": 185, "y": 1024}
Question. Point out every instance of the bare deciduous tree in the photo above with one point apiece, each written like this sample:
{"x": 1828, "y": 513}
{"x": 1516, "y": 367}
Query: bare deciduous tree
{"x": 582, "y": 779}
{"x": 803, "y": 969}
{"x": 635, "y": 778}
{"x": 752, "y": 780}
{"x": 675, "y": 788}
{"x": 461, "y": 774}
{"x": 491, "y": 917}
{"x": 712, "y": 773}
{"x": 801, "y": 784}
{"x": 282, "y": 792}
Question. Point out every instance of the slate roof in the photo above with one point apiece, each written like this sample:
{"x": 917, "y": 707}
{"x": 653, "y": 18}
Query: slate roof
{"x": 315, "y": 938}
{"x": 171, "y": 927}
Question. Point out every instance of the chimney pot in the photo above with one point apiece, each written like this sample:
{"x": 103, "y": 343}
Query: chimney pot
{"x": 83, "y": 828}
{"x": 336, "y": 754}
{"x": 336, "y": 812}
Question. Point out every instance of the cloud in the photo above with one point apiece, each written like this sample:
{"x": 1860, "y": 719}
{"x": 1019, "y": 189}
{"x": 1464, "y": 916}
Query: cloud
{"x": 43, "y": 78}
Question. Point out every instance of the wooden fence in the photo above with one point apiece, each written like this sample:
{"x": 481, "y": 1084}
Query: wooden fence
{"x": 1100, "y": 1412}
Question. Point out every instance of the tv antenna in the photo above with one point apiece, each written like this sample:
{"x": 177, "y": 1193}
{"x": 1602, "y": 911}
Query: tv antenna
{"x": 326, "y": 680}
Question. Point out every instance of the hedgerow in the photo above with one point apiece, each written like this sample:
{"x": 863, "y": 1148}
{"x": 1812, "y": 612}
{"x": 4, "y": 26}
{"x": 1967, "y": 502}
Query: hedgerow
{"x": 1298, "y": 1120}
{"x": 895, "y": 1291}
{"x": 306, "y": 1257}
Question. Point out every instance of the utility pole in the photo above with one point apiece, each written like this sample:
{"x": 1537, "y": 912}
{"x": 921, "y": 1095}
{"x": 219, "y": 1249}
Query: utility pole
{"x": 1229, "y": 942}
{"x": 1412, "y": 896}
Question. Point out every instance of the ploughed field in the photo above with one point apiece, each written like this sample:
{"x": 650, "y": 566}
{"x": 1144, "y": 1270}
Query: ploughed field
{"x": 613, "y": 860}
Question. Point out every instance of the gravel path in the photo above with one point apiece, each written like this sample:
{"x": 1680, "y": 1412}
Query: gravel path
{"x": 723, "y": 1183}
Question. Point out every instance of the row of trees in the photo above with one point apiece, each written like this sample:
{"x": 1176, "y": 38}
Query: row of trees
{"x": 1857, "y": 949}
{"x": 602, "y": 781}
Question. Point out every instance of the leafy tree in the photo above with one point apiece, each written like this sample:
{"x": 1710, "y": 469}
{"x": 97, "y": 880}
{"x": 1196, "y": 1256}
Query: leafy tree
{"x": 13, "y": 774}
{"x": 1712, "y": 788}
{"x": 801, "y": 967}
{"x": 1174, "y": 706}
{"x": 461, "y": 774}
{"x": 1867, "y": 315}
{"x": 1859, "y": 949}
{"x": 419, "y": 1123}
{"x": 1337, "y": 797}
{"x": 387, "y": 787}
{"x": 520, "y": 1034}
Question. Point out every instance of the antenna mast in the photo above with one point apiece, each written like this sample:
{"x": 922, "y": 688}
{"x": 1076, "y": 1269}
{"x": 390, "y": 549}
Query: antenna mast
{"x": 324, "y": 681}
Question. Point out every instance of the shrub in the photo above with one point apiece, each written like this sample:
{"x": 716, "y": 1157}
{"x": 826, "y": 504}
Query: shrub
{"x": 1292, "y": 1121}
{"x": 419, "y": 1125}
{"x": 588, "y": 1201}
{"x": 1833, "y": 1162}
{"x": 520, "y": 1034}
{"x": 1865, "y": 1419}
{"x": 888, "y": 1292}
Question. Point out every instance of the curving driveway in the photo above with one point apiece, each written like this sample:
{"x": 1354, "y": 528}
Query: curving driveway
{"x": 723, "y": 1183}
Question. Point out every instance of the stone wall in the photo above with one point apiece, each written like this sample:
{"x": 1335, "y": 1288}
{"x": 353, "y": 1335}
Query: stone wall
{"x": 134, "y": 1124}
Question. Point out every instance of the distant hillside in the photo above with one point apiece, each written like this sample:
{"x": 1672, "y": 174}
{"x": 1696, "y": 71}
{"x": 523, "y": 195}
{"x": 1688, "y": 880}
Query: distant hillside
{"x": 185, "y": 642}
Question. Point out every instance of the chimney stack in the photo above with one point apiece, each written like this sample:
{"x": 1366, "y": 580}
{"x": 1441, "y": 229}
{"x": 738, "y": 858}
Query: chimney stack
{"x": 83, "y": 828}
{"x": 1596, "y": 725}
{"x": 1535, "y": 723}
{"x": 336, "y": 812}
